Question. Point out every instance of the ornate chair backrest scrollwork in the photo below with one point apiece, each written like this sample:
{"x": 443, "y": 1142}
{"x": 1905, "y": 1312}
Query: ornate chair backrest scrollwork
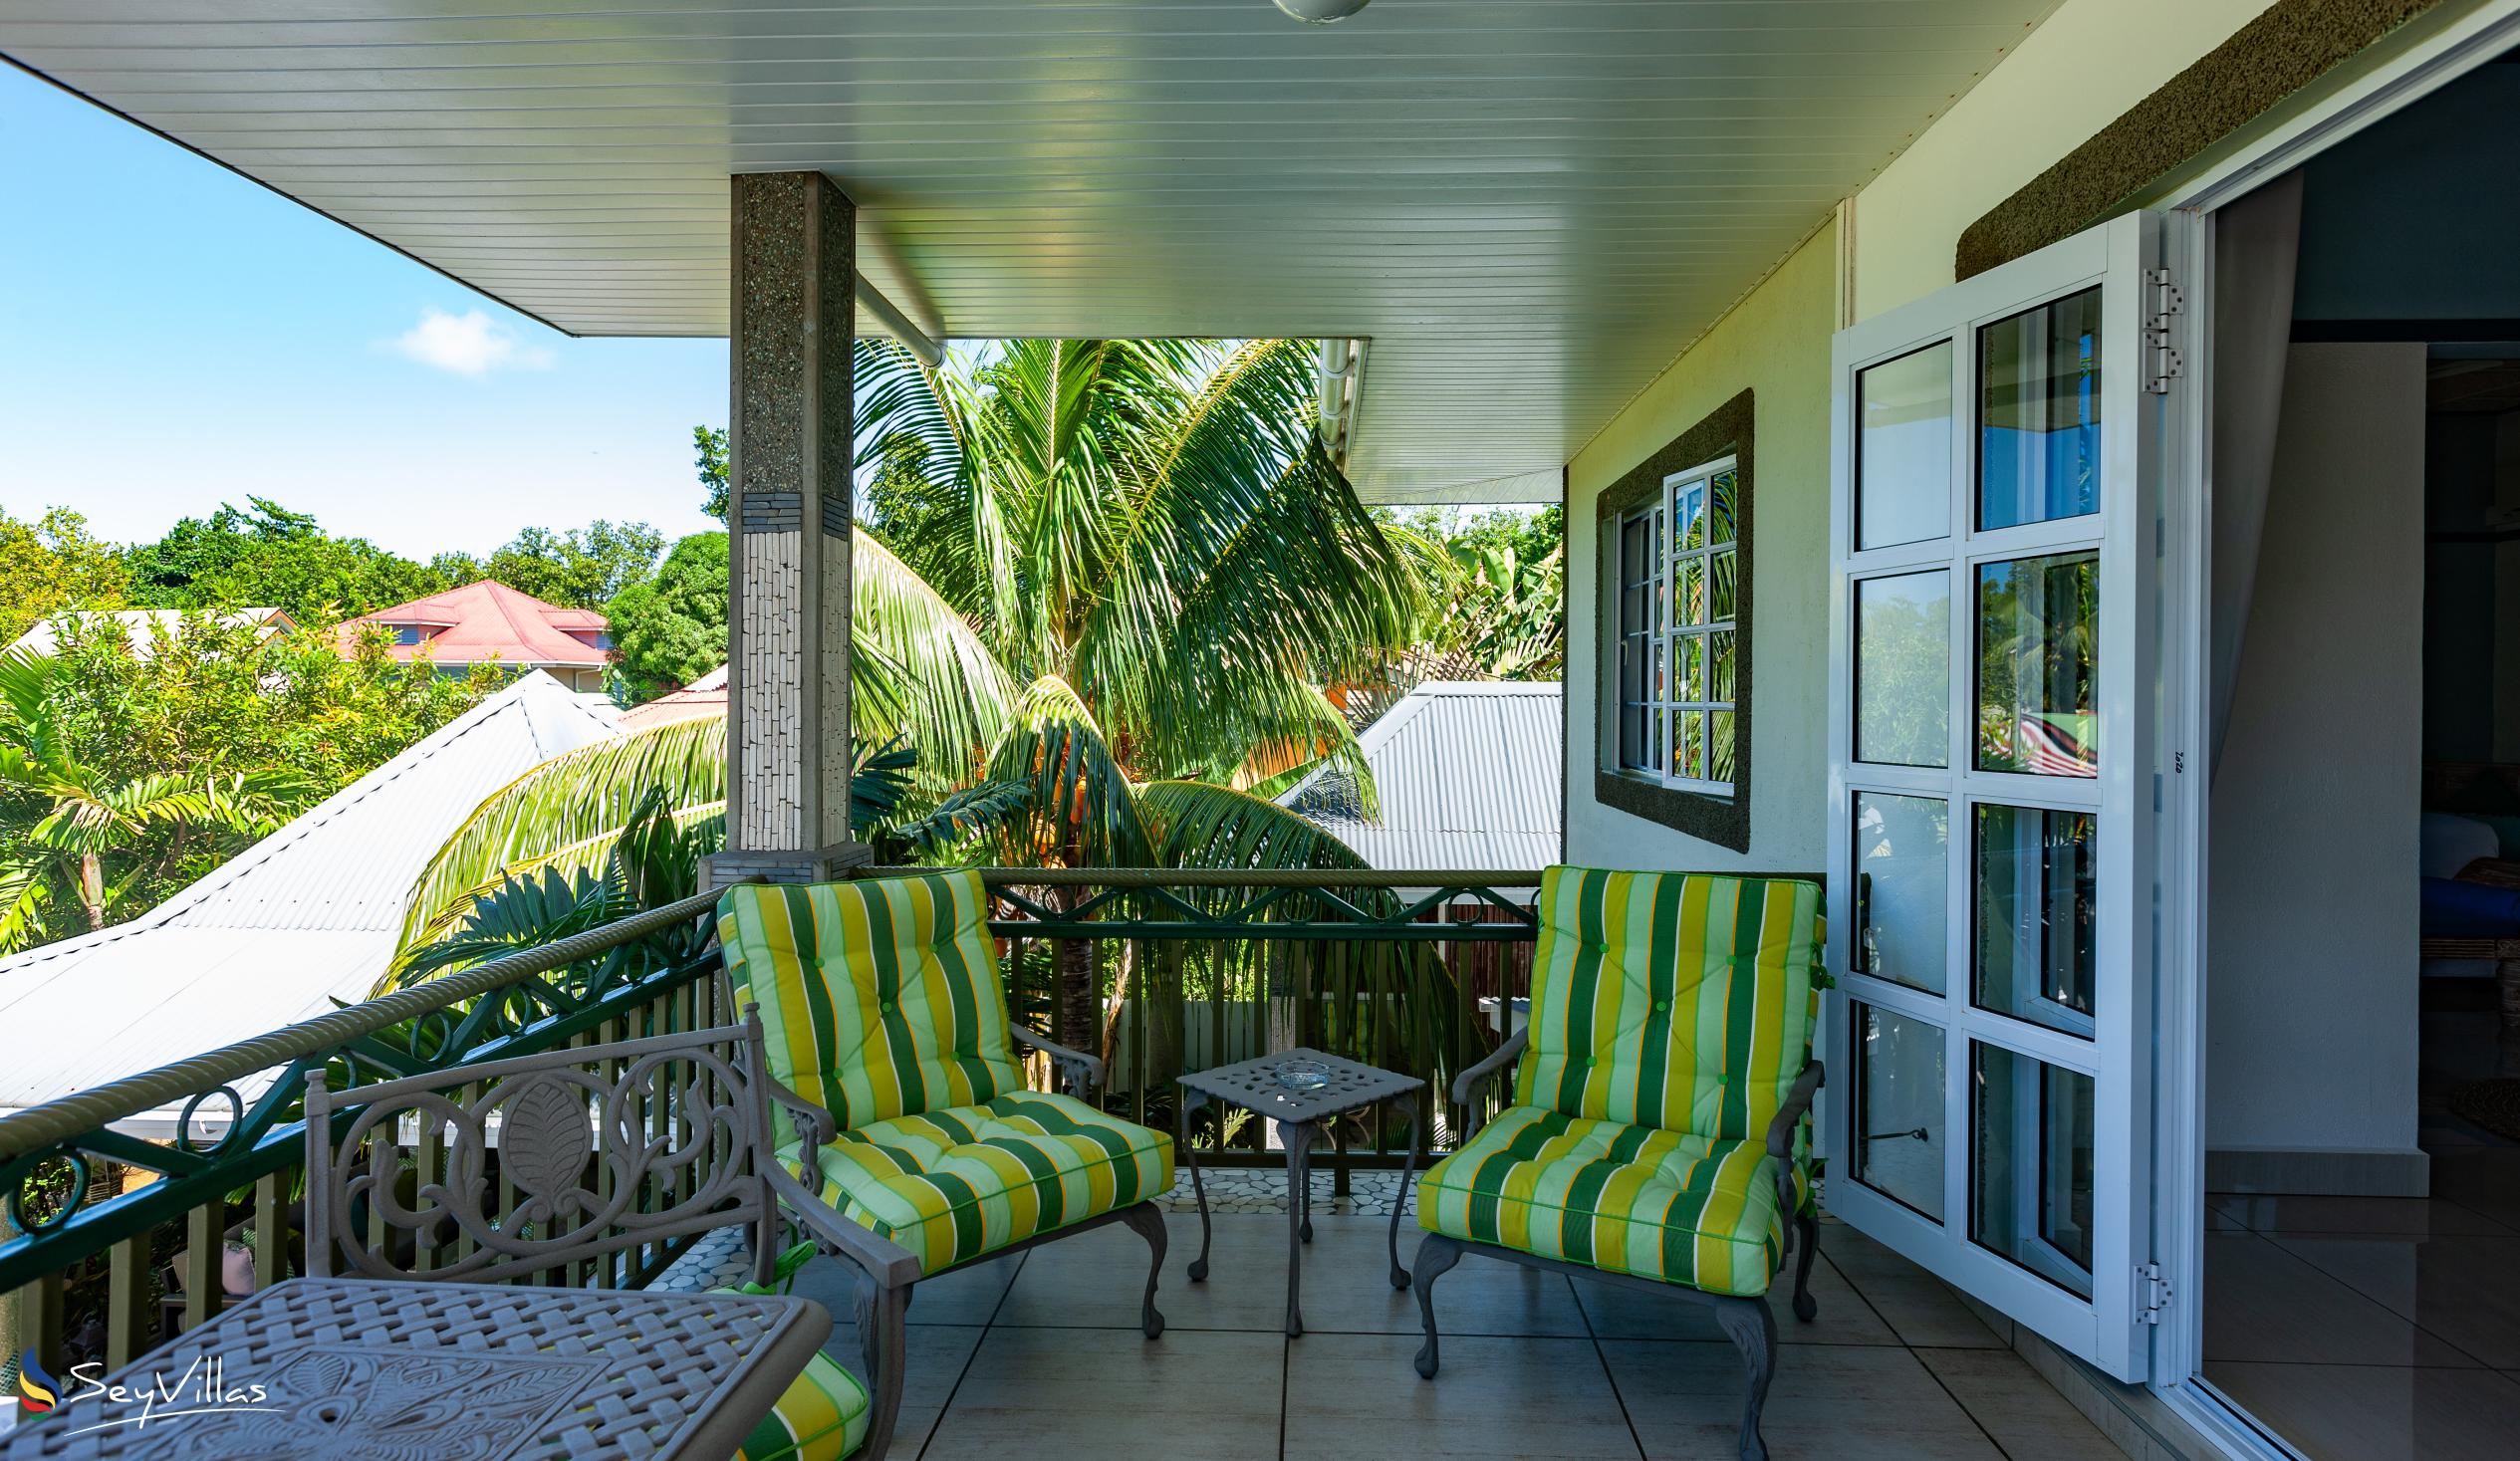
{"x": 600, "y": 1150}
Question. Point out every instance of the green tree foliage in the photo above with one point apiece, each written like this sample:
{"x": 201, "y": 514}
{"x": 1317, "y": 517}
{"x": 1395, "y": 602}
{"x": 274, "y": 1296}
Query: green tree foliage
{"x": 266, "y": 553}
{"x": 671, "y": 630}
{"x": 708, "y": 449}
{"x": 51, "y": 565}
{"x": 585, "y": 568}
{"x": 1501, "y": 610}
{"x": 128, "y": 771}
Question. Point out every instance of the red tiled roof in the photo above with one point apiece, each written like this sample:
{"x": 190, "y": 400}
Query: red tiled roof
{"x": 490, "y": 620}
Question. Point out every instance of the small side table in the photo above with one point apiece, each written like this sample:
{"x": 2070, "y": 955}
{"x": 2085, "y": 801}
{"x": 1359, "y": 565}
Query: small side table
{"x": 1301, "y": 1118}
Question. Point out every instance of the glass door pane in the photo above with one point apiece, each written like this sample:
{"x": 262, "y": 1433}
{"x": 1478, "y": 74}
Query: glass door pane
{"x": 2030, "y": 1175}
{"x": 1903, "y": 450}
{"x": 1902, "y": 669}
{"x": 1899, "y": 1110}
{"x": 2037, "y": 906}
{"x": 1901, "y": 858}
{"x": 2038, "y": 441}
{"x": 2037, "y": 646}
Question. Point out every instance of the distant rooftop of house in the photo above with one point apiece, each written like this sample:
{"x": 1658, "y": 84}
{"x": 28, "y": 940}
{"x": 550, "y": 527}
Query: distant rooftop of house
{"x": 307, "y": 915}
{"x": 488, "y": 621}
{"x": 704, "y": 697}
{"x": 142, "y": 624}
{"x": 1468, "y": 774}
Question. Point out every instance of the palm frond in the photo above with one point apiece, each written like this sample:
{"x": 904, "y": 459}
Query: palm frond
{"x": 1217, "y": 827}
{"x": 948, "y": 695}
{"x": 565, "y": 812}
{"x": 26, "y": 901}
{"x": 1245, "y": 558}
{"x": 1083, "y": 809}
{"x": 976, "y": 812}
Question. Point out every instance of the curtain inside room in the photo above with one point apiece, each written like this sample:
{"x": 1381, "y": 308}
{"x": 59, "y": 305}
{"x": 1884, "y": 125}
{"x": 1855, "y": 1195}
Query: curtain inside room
{"x": 2257, "y": 243}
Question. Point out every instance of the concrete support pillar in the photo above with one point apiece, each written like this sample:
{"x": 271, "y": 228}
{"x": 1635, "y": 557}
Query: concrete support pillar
{"x": 790, "y": 446}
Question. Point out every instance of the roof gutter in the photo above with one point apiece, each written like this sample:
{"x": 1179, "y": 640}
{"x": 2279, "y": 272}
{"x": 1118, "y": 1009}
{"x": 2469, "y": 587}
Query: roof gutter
{"x": 897, "y": 325}
{"x": 1342, "y": 389}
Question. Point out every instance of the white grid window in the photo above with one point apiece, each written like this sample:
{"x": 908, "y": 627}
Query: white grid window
{"x": 1678, "y": 586}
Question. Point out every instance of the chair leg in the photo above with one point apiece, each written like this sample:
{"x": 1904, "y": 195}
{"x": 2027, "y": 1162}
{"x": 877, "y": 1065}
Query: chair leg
{"x": 1146, "y": 1221}
{"x": 1752, "y": 1329}
{"x": 882, "y": 1346}
{"x": 1436, "y": 1257}
{"x": 1805, "y": 1227}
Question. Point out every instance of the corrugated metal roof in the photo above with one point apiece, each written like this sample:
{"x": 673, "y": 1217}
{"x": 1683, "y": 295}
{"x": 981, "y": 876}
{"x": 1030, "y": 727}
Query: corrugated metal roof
{"x": 1528, "y": 205}
{"x": 142, "y": 624}
{"x": 308, "y": 914}
{"x": 1466, "y": 774}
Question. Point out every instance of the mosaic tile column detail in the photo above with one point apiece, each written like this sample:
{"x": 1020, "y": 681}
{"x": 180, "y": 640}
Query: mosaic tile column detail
{"x": 793, "y": 319}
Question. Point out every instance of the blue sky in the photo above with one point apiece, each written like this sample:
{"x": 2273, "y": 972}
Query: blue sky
{"x": 173, "y": 336}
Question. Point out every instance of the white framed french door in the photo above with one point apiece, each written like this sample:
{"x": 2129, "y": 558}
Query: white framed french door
{"x": 1994, "y": 504}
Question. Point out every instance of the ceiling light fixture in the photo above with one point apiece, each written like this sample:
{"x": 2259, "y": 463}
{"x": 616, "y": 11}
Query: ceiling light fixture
{"x": 1320, "y": 12}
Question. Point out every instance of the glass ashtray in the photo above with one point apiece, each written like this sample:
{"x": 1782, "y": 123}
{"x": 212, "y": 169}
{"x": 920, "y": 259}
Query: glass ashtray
{"x": 1302, "y": 1074}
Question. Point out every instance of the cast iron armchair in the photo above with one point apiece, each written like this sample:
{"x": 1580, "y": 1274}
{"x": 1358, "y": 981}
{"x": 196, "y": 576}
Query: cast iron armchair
{"x": 607, "y": 1156}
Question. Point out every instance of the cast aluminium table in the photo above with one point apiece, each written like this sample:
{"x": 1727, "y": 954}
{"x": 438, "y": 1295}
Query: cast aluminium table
{"x": 1301, "y": 1117}
{"x": 362, "y": 1368}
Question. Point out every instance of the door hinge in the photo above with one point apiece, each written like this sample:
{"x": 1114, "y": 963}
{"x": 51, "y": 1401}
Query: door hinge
{"x": 2162, "y": 361}
{"x": 2151, "y": 1292}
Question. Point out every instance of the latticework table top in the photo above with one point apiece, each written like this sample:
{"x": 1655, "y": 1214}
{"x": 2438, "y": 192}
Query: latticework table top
{"x": 1253, "y": 1083}
{"x": 362, "y": 1370}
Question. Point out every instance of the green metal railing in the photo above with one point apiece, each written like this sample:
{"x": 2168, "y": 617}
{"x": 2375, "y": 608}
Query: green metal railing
{"x": 1413, "y": 971}
{"x": 1418, "y": 971}
{"x": 79, "y": 1256}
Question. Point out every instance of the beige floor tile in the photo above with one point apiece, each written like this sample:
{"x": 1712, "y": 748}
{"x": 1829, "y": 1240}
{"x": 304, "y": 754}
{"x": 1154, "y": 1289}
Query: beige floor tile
{"x": 2344, "y": 1412}
{"x": 1097, "y": 1280}
{"x": 1359, "y": 1395}
{"x": 964, "y": 1296}
{"x": 2465, "y": 1289}
{"x": 938, "y": 1356}
{"x": 2010, "y": 1402}
{"x": 2266, "y": 1304}
{"x": 1919, "y": 1307}
{"x": 1192, "y": 1395}
{"x": 1621, "y": 1313}
{"x": 1841, "y": 1403}
{"x": 1348, "y": 1287}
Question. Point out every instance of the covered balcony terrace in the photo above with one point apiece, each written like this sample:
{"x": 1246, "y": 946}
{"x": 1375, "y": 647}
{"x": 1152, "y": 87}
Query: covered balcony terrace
{"x": 1502, "y": 221}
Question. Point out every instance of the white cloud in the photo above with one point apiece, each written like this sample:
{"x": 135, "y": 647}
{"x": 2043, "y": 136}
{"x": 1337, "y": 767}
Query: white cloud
{"x": 469, "y": 344}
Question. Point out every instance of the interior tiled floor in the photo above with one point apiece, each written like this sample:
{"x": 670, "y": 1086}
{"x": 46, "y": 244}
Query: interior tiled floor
{"x": 2381, "y": 1327}
{"x": 1040, "y": 1355}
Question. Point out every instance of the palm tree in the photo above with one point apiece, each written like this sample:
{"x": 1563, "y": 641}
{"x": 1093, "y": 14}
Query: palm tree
{"x": 1152, "y": 526}
{"x": 1093, "y": 568}
{"x": 145, "y": 824}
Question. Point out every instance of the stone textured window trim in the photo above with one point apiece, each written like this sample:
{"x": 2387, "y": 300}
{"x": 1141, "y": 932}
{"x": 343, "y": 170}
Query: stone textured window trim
{"x": 1722, "y": 820}
{"x": 2290, "y": 46}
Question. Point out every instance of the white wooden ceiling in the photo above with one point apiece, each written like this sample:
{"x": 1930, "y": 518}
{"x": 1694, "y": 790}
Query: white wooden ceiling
{"x": 1529, "y": 205}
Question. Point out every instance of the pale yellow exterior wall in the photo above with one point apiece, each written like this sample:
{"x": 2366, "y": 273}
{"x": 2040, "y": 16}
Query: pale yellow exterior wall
{"x": 1775, "y": 344}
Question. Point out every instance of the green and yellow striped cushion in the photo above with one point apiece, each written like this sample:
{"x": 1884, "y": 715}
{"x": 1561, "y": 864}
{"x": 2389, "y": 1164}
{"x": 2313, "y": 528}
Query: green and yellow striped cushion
{"x": 951, "y": 1186}
{"x": 1681, "y": 1000}
{"x": 1657, "y": 1204}
{"x": 822, "y": 1416}
{"x": 879, "y": 998}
